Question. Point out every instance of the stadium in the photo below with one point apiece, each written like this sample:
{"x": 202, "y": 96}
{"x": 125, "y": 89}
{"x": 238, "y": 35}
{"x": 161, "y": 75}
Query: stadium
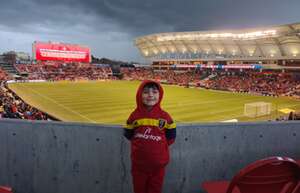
{"x": 272, "y": 45}
{"x": 210, "y": 78}
{"x": 241, "y": 75}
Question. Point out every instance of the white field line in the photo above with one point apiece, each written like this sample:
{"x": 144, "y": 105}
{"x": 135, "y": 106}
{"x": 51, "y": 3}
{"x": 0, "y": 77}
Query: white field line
{"x": 59, "y": 104}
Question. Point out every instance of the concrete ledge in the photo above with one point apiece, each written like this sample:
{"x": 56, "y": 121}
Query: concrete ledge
{"x": 57, "y": 157}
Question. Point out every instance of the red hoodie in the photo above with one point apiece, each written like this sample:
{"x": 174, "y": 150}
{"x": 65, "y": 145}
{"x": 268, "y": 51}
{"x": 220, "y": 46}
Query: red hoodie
{"x": 150, "y": 132}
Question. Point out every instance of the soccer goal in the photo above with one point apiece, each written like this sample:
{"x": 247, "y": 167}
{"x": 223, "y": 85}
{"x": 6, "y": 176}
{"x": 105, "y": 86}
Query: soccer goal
{"x": 257, "y": 109}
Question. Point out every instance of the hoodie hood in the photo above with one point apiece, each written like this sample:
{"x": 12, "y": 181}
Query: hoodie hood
{"x": 140, "y": 106}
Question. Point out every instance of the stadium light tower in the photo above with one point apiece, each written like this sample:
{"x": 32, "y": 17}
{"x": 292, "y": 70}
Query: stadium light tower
{"x": 295, "y": 52}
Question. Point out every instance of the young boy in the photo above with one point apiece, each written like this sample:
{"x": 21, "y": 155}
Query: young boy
{"x": 151, "y": 130}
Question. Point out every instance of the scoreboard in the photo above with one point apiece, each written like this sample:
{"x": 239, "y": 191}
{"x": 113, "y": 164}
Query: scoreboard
{"x": 56, "y": 51}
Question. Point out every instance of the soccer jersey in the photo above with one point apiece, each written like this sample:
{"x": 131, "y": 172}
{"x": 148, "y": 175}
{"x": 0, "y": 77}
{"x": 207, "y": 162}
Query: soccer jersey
{"x": 150, "y": 132}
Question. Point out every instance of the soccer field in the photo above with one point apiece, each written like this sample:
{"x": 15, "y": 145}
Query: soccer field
{"x": 111, "y": 102}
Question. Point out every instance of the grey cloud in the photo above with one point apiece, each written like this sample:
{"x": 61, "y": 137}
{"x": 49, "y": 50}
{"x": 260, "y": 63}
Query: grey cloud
{"x": 139, "y": 17}
{"x": 122, "y": 20}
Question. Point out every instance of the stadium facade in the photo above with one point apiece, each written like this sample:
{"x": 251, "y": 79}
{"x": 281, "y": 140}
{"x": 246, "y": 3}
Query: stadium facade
{"x": 278, "y": 45}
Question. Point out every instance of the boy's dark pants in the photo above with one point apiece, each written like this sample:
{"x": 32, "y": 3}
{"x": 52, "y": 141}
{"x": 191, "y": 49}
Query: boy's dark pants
{"x": 147, "y": 180}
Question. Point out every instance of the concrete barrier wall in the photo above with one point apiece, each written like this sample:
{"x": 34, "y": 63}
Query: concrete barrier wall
{"x": 48, "y": 157}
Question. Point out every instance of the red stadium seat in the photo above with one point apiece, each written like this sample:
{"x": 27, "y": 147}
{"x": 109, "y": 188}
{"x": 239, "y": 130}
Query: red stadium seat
{"x": 270, "y": 175}
{"x": 297, "y": 188}
{"x": 4, "y": 189}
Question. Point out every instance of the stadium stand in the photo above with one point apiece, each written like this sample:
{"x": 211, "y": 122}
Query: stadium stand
{"x": 61, "y": 71}
{"x": 254, "y": 82}
{"x": 3, "y": 75}
{"x": 8, "y": 68}
{"x": 270, "y": 175}
{"x": 269, "y": 83}
{"x": 167, "y": 76}
{"x": 11, "y": 106}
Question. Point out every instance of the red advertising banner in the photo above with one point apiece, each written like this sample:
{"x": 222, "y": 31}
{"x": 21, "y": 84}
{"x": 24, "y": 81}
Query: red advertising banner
{"x": 233, "y": 66}
{"x": 61, "y": 52}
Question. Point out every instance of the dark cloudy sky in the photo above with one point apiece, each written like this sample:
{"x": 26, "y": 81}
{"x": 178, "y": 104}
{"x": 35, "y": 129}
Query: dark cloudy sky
{"x": 110, "y": 26}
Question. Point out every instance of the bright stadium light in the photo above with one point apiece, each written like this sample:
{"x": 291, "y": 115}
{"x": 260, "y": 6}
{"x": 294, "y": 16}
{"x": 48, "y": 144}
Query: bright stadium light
{"x": 146, "y": 52}
{"x": 295, "y": 52}
{"x": 272, "y": 53}
{"x": 192, "y": 36}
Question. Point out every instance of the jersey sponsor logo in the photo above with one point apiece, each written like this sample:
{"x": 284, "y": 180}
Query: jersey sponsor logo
{"x": 161, "y": 123}
{"x": 147, "y": 135}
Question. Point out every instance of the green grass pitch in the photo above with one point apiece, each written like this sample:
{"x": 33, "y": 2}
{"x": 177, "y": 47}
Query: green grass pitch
{"x": 111, "y": 102}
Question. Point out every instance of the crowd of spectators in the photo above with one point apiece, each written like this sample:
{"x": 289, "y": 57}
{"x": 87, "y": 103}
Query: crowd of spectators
{"x": 62, "y": 71}
{"x": 249, "y": 81}
{"x": 177, "y": 77}
{"x": 263, "y": 83}
{"x": 3, "y": 75}
{"x": 11, "y": 106}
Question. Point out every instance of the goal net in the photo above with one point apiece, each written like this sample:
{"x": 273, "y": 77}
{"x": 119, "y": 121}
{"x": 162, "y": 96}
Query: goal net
{"x": 257, "y": 109}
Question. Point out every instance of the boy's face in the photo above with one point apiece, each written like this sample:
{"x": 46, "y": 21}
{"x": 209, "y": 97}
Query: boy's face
{"x": 150, "y": 96}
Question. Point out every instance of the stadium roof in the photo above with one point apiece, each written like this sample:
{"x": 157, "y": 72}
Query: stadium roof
{"x": 278, "y": 42}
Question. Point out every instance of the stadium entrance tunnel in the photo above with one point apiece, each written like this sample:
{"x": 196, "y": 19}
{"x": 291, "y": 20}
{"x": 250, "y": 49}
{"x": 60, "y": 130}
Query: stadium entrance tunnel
{"x": 48, "y": 157}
